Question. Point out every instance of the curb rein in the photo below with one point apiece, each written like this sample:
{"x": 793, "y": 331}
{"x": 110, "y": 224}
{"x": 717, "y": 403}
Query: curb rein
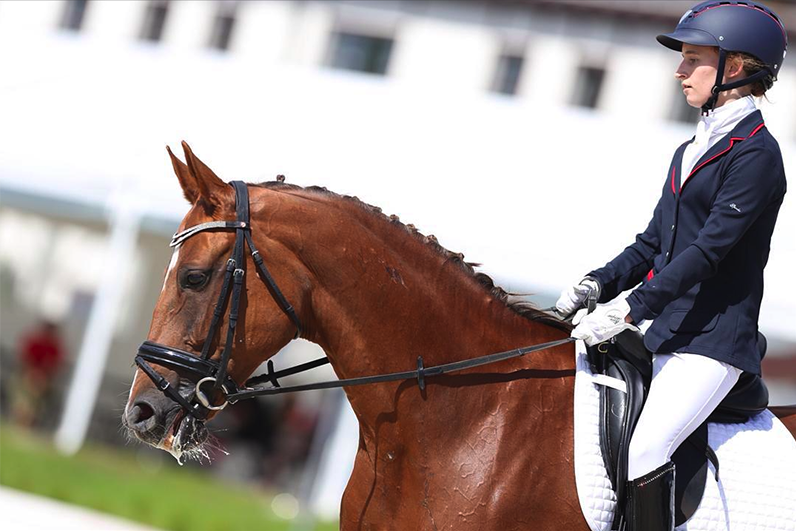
{"x": 208, "y": 370}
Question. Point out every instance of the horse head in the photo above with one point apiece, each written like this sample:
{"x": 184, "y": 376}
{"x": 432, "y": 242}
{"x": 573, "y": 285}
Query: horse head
{"x": 162, "y": 409}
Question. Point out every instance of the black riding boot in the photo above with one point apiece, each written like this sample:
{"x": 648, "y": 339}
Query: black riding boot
{"x": 650, "y": 501}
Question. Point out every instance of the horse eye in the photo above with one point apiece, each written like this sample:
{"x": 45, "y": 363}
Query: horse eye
{"x": 194, "y": 279}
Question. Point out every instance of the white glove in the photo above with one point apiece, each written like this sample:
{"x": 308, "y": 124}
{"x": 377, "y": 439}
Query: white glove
{"x": 572, "y": 298}
{"x": 606, "y": 321}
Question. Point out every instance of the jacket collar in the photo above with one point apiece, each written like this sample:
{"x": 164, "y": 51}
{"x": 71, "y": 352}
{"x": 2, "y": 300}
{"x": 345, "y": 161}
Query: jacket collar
{"x": 746, "y": 128}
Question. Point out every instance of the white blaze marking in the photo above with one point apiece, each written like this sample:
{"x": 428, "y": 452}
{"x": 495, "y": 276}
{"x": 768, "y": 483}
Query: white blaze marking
{"x": 132, "y": 386}
{"x": 172, "y": 263}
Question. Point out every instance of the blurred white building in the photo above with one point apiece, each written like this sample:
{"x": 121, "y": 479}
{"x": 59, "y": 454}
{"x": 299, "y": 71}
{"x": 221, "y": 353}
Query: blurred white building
{"x": 531, "y": 135}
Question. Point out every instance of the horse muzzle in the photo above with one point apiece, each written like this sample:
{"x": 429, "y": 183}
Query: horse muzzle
{"x": 155, "y": 420}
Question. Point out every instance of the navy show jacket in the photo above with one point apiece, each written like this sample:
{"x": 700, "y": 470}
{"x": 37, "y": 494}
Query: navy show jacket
{"x": 702, "y": 255}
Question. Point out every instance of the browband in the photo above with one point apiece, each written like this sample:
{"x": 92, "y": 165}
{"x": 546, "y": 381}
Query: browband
{"x": 180, "y": 237}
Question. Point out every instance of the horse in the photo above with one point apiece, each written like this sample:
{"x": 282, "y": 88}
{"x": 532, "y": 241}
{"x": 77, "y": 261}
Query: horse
{"x": 489, "y": 448}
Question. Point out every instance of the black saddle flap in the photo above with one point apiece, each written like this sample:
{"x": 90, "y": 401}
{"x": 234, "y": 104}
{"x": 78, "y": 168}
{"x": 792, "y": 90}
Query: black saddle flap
{"x": 630, "y": 344}
{"x": 627, "y": 359}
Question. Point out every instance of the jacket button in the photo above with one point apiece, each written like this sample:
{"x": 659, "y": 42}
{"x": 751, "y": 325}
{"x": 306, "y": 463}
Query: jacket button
{"x": 667, "y": 254}
{"x": 672, "y": 227}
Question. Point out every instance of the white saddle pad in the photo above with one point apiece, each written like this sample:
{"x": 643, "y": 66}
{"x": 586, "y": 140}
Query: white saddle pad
{"x": 756, "y": 490}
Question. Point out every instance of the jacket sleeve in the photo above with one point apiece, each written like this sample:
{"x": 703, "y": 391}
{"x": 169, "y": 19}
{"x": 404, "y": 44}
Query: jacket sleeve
{"x": 754, "y": 180}
{"x": 631, "y": 265}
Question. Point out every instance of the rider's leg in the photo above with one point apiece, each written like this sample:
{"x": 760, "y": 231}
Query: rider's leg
{"x": 685, "y": 390}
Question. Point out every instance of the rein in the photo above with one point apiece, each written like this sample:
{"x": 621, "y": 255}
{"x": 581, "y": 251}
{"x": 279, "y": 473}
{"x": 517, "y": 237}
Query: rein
{"x": 420, "y": 374}
{"x": 206, "y": 370}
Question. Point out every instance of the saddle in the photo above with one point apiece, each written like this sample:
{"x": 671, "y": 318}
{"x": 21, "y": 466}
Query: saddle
{"x": 624, "y": 369}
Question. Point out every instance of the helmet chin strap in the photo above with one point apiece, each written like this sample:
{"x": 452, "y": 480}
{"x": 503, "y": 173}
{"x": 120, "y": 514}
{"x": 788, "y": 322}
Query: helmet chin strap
{"x": 718, "y": 88}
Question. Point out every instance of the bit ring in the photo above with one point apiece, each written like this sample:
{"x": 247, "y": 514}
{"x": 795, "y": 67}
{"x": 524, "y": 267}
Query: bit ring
{"x": 201, "y": 397}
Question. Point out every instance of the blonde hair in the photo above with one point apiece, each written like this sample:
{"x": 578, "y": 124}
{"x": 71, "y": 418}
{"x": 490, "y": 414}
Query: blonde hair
{"x": 752, "y": 65}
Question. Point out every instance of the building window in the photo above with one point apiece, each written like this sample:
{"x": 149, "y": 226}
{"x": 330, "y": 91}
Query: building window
{"x": 73, "y": 15}
{"x": 681, "y": 111}
{"x": 362, "y": 53}
{"x": 507, "y": 74}
{"x": 587, "y": 86}
{"x": 154, "y": 20}
{"x": 223, "y": 24}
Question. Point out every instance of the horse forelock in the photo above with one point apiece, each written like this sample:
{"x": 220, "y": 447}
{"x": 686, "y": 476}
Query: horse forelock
{"x": 510, "y": 300}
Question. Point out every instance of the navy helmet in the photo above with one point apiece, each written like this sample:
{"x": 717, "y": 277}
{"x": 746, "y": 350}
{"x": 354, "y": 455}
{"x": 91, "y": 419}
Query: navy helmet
{"x": 733, "y": 26}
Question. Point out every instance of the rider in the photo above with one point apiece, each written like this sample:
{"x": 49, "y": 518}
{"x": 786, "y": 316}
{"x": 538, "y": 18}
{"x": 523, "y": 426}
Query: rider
{"x": 700, "y": 261}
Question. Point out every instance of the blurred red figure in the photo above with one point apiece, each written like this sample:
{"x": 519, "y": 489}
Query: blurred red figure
{"x": 41, "y": 354}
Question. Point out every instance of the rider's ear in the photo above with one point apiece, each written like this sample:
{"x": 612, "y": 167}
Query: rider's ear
{"x": 734, "y": 66}
{"x": 212, "y": 190}
{"x": 189, "y": 187}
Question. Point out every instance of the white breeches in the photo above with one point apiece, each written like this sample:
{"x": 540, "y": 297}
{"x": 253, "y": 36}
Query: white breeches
{"x": 685, "y": 390}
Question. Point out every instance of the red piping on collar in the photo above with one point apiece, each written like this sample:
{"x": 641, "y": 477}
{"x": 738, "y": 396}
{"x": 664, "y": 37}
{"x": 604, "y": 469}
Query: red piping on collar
{"x": 732, "y": 141}
{"x": 674, "y": 190}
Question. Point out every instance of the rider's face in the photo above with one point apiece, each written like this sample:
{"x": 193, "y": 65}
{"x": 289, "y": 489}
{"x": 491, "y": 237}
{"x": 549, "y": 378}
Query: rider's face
{"x": 697, "y": 72}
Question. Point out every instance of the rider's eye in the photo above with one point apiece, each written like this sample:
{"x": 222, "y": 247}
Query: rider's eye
{"x": 194, "y": 279}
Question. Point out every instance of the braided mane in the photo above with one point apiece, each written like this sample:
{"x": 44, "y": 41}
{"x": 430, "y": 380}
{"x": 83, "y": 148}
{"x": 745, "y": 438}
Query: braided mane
{"x": 511, "y": 300}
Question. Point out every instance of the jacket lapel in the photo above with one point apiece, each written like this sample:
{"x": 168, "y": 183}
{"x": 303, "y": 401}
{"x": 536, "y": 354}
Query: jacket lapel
{"x": 676, "y": 176}
{"x": 745, "y": 128}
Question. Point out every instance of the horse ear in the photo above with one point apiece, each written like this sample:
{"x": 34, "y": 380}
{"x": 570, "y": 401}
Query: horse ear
{"x": 211, "y": 188}
{"x": 187, "y": 181}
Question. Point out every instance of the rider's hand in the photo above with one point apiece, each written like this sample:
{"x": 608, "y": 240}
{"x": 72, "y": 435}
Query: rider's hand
{"x": 573, "y": 297}
{"x": 606, "y": 321}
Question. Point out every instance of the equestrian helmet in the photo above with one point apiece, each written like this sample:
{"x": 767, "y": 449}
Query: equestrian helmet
{"x": 733, "y": 26}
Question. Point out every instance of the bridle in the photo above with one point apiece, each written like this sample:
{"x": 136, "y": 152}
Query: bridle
{"x": 203, "y": 367}
{"x": 206, "y": 370}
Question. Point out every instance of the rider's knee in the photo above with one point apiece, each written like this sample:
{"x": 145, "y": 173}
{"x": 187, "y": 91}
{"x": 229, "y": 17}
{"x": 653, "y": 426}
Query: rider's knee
{"x": 645, "y": 456}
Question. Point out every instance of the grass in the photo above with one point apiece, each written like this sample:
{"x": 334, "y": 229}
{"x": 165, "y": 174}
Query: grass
{"x": 115, "y": 482}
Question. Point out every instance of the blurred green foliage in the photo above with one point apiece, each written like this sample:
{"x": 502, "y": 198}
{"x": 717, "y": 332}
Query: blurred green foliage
{"x": 115, "y": 482}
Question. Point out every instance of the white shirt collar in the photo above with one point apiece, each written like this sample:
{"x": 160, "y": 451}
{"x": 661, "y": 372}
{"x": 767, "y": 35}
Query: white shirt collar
{"x": 724, "y": 119}
{"x": 713, "y": 127}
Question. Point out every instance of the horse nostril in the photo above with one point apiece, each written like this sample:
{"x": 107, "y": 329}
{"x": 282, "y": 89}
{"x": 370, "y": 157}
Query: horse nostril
{"x": 146, "y": 419}
{"x": 140, "y": 413}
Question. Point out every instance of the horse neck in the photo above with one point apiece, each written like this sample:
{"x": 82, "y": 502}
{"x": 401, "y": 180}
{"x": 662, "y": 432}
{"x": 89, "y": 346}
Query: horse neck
{"x": 383, "y": 294}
